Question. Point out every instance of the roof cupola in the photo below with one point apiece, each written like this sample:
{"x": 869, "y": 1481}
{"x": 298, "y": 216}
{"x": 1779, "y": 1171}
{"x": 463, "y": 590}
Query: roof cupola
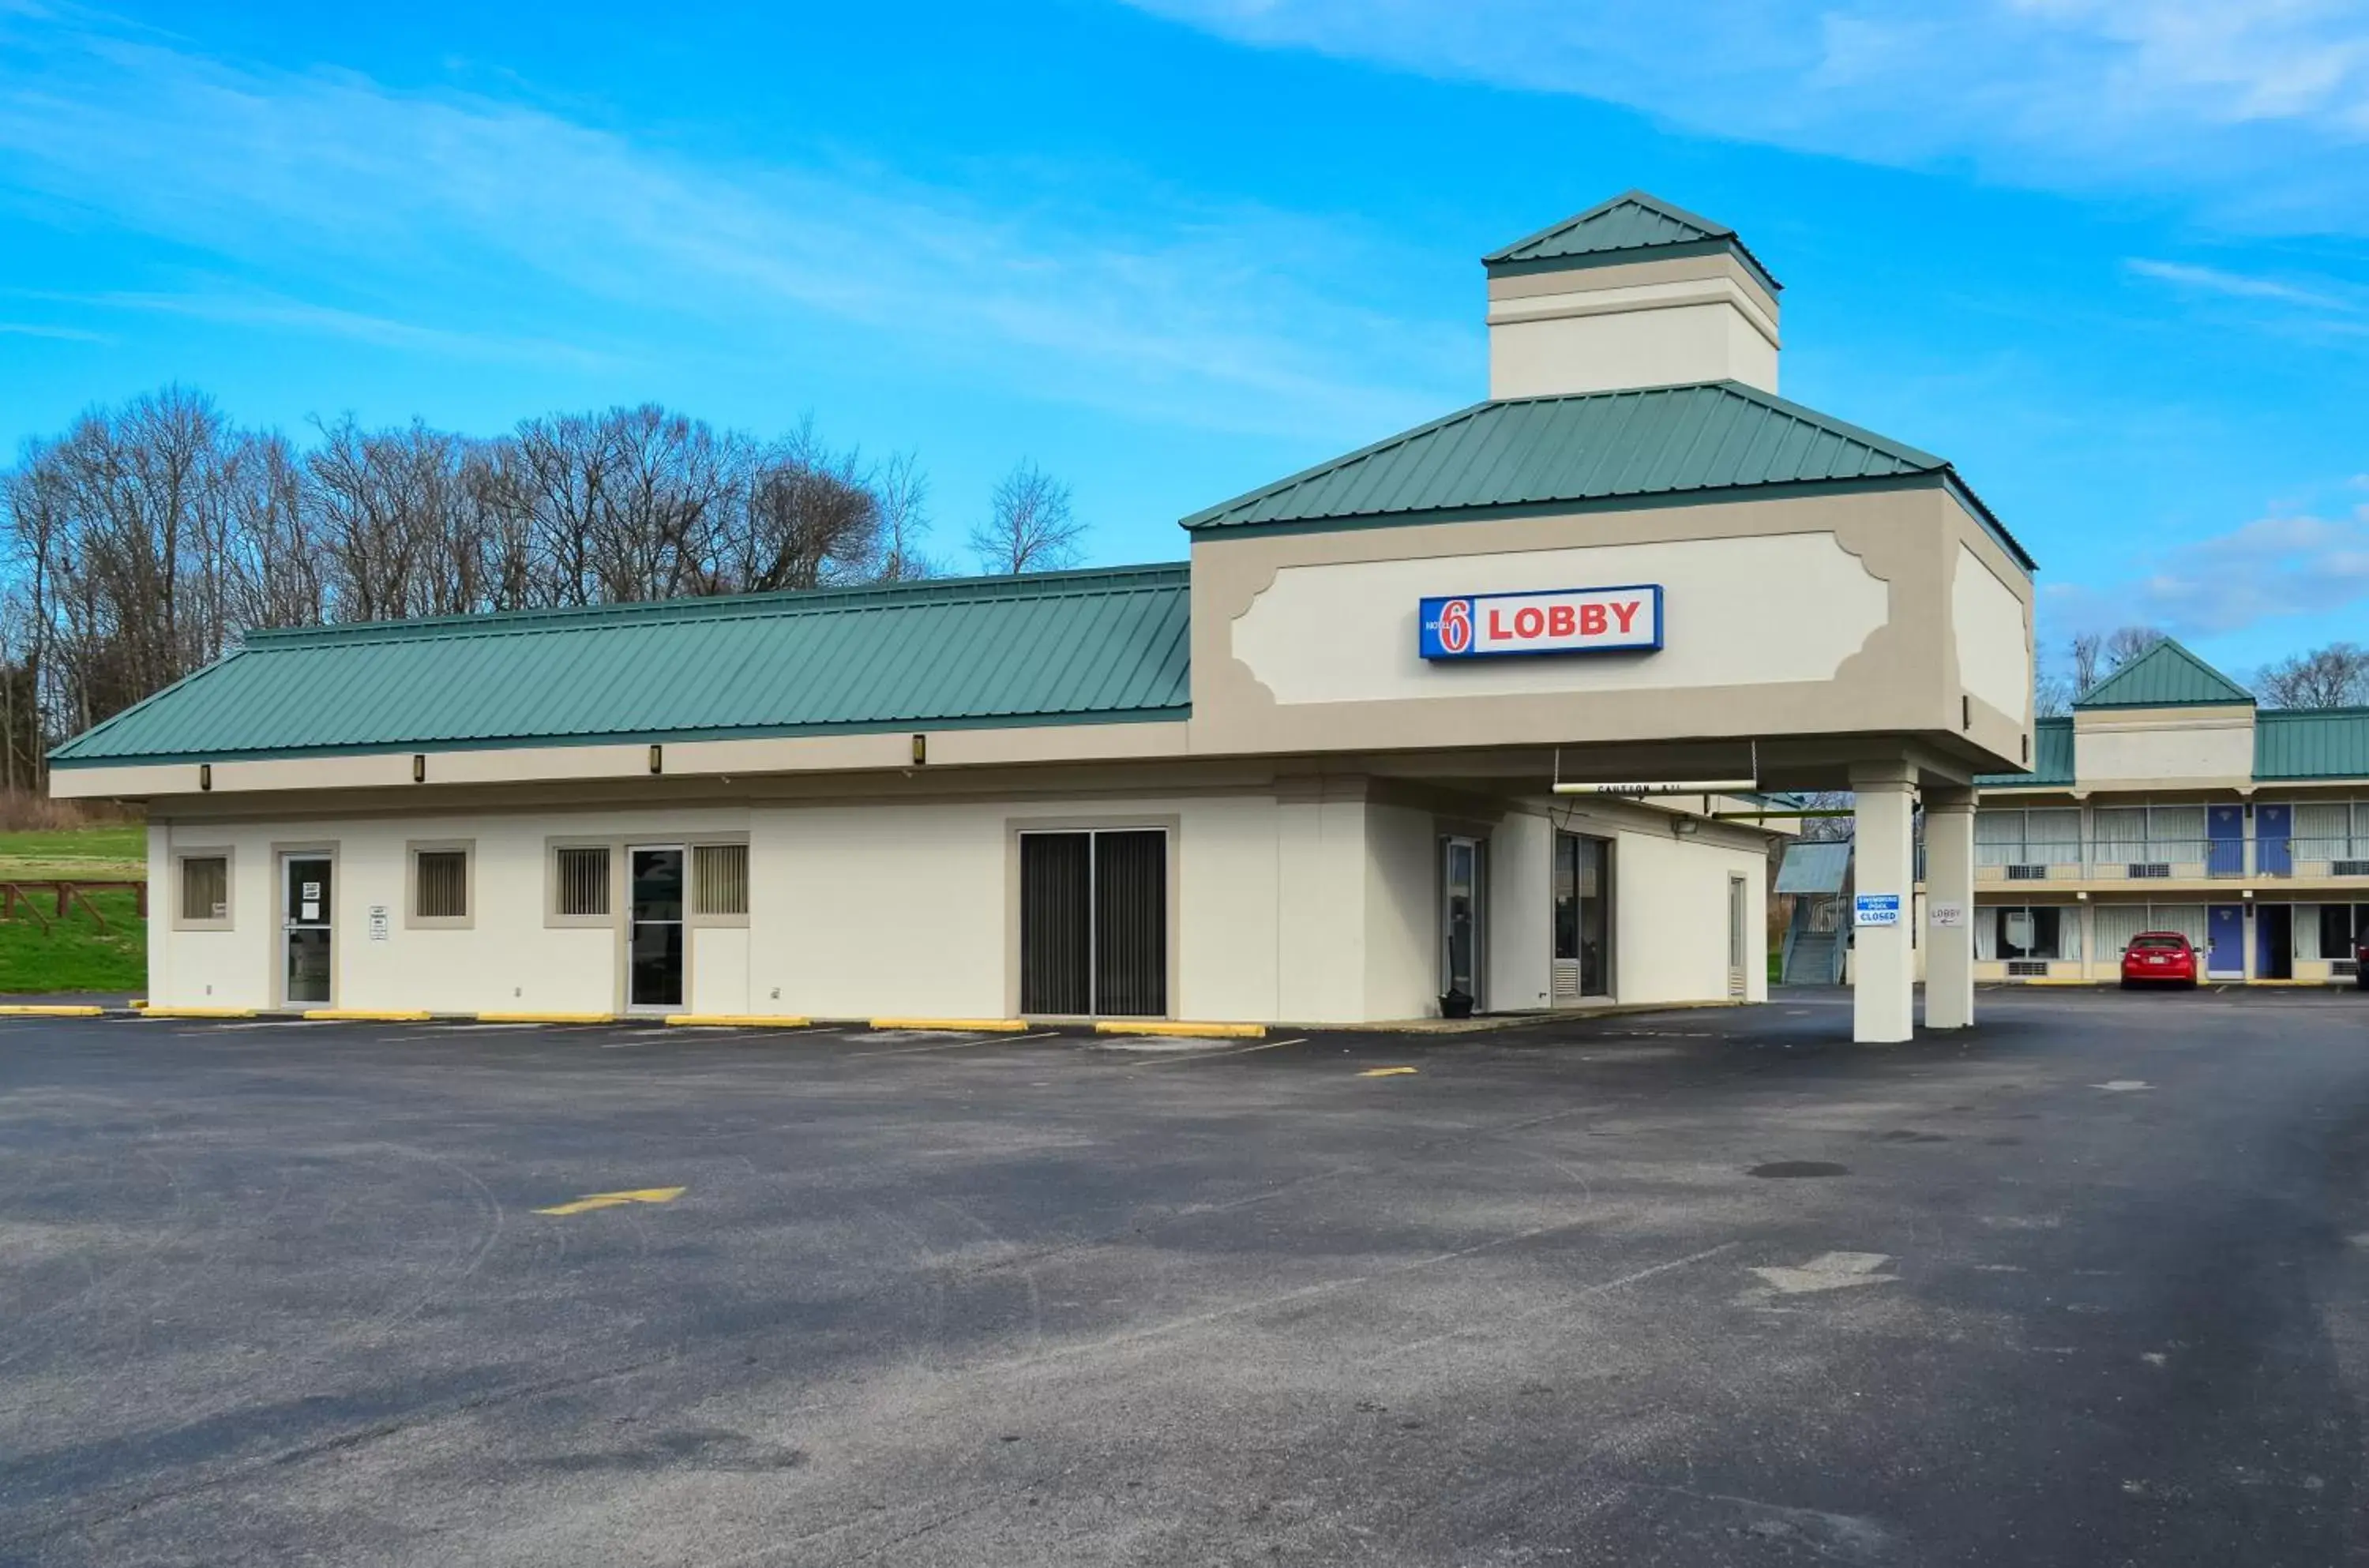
{"x": 1632, "y": 292}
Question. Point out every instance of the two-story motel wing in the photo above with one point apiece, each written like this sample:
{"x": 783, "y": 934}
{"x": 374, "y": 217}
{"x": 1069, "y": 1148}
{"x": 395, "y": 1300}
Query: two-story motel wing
{"x": 2169, "y": 801}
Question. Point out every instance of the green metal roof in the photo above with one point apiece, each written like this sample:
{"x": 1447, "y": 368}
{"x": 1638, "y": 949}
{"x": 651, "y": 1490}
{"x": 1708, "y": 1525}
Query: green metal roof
{"x": 2052, "y": 760}
{"x": 2307, "y": 743}
{"x": 1633, "y": 226}
{"x": 2166, "y": 676}
{"x": 1700, "y": 441}
{"x": 1044, "y": 648}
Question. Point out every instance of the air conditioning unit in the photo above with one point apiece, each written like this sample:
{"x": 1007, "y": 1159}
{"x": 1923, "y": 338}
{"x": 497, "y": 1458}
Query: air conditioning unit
{"x": 2344, "y": 968}
{"x": 2027, "y": 968}
{"x": 2144, "y": 868}
{"x": 2349, "y": 868}
{"x": 2027, "y": 873}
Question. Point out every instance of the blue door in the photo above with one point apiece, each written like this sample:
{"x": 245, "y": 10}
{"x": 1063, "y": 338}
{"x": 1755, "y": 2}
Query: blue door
{"x": 2224, "y": 850}
{"x": 2224, "y": 942}
{"x": 2274, "y": 840}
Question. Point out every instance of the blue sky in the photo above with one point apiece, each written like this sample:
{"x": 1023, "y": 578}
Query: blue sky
{"x": 2111, "y": 257}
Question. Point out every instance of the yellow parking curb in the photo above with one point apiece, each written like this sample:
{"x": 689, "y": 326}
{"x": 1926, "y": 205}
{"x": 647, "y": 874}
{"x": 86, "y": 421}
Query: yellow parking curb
{"x": 364, "y": 1015}
{"x": 547, "y": 1018}
{"x": 1170, "y": 1026}
{"x": 997, "y": 1026}
{"x": 734, "y": 1020}
{"x": 139, "y": 1006}
{"x": 50, "y": 1009}
{"x": 198, "y": 1012}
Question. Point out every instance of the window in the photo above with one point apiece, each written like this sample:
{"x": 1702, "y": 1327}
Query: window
{"x": 2028, "y": 838}
{"x": 2041, "y": 931}
{"x": 205, "y": 890}
{"x": 2338, "y": 927}
{"x": 2114, "y": 924}
{"x": 2331, "y": 832}
{"x": 2150, "y": 836}
{"x": 581, "y": 881}
{"x": 440, "y": 884}
{"x": 720, "y": 880}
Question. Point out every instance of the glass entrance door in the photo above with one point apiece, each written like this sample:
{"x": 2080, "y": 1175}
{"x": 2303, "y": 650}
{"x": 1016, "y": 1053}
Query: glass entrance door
{"x": 1460, "y": 918}
{"x": 654, "y": 934}
{"x": 1582, "y": 917}
{"x": 304, "y": 925}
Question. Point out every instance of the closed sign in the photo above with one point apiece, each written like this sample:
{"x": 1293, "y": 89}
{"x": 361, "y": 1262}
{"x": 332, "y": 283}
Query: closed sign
{"x": 1576, "y": 619}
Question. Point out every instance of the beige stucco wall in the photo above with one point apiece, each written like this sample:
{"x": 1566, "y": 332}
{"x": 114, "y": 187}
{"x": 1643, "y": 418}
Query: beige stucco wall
{"x": 1402, "y": 892}
{"x": 1670, "y": 940}
{"x": 1661, "y": 323}
{"x": 1826, "y": 616}
{"x": 1654, "y": 341}
{"x": 2122, "y": 748}
{"x": 1993, "y": 636}
{"x": 1307, "y": 902}
{"x": 1521, "y": 911}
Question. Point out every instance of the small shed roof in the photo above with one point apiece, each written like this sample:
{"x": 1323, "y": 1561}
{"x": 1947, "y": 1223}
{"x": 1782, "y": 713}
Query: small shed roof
{"x": 1815, "y": 867}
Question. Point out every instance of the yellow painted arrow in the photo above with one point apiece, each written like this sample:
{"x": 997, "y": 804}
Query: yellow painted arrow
{"x": 616, "y": 1200}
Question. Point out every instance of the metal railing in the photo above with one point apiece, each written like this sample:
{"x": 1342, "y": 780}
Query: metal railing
{"x": 2154, "y": 859}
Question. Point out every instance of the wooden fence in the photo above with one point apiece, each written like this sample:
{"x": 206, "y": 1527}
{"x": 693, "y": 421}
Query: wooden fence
{"x": 64, "y": 894}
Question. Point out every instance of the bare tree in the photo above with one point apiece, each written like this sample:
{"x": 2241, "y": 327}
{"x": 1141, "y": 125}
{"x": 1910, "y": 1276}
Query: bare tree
{"x": 903, "y": 493}
{"x": 810, "y": 520}
{"x": 2086, "y": 649}
{"x": 142, "y": 543}
{"x": 1030, "y": 527}
{"x": 2127, "y": 645}
{"x": 2336, "y": 676}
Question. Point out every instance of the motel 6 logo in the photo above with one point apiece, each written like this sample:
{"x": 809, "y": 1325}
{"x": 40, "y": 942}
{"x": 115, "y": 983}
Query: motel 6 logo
{"x": 1456, "y": 626}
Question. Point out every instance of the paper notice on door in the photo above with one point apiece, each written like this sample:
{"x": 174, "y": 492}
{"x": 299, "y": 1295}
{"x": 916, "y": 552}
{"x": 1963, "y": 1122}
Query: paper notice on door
{"x": 312, "y": 892}
{"x": 311, "y": 912}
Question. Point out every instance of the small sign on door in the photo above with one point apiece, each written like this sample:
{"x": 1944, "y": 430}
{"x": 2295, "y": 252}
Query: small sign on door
{"x": 1875, "y": 908}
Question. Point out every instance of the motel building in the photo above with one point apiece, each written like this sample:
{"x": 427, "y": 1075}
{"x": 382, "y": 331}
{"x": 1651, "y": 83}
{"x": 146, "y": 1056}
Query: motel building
{"x": 2168, "y": 801}
{"x": 1380, "y": 749}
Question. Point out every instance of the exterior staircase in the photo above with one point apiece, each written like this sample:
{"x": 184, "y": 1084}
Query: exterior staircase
{"x": 1812, "y": 958}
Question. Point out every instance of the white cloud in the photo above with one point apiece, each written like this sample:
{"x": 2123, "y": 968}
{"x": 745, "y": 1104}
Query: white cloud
{"x": 426, "y": 220}
{"x": 2274, "y": 566}
{"x": 2261, "y": 107}
{"x": 2328, "y": 296}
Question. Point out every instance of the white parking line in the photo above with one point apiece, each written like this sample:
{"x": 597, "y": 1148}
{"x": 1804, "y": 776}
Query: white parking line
{"x": 953, "y": 1045}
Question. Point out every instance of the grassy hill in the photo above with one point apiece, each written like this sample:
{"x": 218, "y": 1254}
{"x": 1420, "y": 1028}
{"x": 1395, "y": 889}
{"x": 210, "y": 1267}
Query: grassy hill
{"x": 74, "y": 955}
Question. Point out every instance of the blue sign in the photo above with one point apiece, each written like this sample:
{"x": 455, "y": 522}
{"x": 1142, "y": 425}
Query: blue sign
{"x": 1875, "y": 908}
{"x": 1570, "y": 620}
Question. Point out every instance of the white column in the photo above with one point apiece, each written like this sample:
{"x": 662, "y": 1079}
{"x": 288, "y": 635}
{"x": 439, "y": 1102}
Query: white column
{"x": 1883, "y": 965}
{"x": 1950, "y": 886}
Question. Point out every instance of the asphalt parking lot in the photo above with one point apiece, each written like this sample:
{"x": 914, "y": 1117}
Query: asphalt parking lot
{"x": 2088, "y": 1284}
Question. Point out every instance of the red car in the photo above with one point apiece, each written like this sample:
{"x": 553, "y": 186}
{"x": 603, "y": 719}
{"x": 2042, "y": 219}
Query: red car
{"x": 2157, "y": 957}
